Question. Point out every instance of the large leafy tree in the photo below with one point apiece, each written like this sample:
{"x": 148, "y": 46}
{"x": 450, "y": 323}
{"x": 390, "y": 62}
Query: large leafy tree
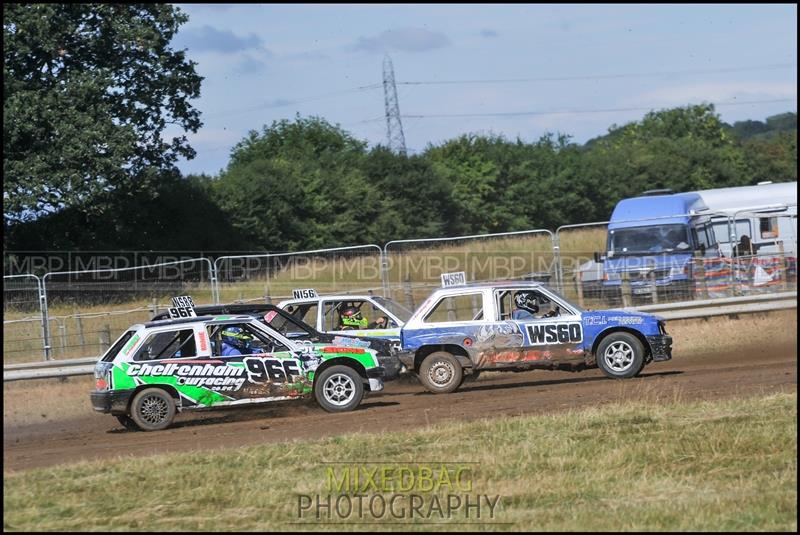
{"x": 300, "y": 184}
{"x": 89, "y": 90}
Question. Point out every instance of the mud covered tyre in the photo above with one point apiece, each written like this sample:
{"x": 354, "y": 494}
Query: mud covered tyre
{"x": 127, "y": 422}
{"x": 153, "y": 409}
{"x": 620, "y": 355}
{"x": 339, "y": 389}
{"x": 441, "y": 373}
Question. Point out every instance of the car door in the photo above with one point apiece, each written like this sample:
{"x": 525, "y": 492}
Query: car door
{"x": 466, "y": 319}
{"x": 271, "y": 368}
{"x": 552, "y": 334}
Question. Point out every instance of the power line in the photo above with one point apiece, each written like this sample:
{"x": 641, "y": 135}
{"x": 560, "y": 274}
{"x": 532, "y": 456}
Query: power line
{"x": 283, "y": 103}
{"x": 568, "y": 112}
{"x": 603, "y": 76}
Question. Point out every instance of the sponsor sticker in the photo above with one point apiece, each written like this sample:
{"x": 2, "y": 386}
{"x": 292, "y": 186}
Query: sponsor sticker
{"x": 217, "y": 377}
{"x": 201, "y": 336}
{"x": 627, "y": 320}
{"x": 554, "y": 333}
{"x": 131, "y": 343}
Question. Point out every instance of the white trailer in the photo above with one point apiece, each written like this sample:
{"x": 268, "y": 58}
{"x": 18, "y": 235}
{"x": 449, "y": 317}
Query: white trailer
{"x": 766, "y": 213}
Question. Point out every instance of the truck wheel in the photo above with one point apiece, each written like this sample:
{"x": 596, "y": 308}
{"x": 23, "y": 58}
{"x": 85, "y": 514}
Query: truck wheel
{"x": 620, "y": 355}
{"x": 441, "y": 373}
{"x": 339, "y": 389}
{"x": 127, "y": 422}
{"x": 153, "y": 409}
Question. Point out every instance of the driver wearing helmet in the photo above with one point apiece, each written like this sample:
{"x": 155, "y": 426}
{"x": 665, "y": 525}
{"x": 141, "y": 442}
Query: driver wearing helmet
{"x": 235, "y": 341}
{"x": 351, "y": 318}
{"x": 525, "y": 306}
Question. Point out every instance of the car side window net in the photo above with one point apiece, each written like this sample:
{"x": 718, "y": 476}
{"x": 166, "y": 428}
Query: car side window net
{"x": 346, "y": 315}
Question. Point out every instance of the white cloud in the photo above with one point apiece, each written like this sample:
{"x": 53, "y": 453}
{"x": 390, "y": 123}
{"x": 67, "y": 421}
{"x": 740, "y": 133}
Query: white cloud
{"x": 715, "y": 92}
{"x": 403, "y": 39}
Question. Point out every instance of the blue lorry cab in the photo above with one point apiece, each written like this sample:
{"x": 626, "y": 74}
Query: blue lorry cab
{"x": 655, "y": 237}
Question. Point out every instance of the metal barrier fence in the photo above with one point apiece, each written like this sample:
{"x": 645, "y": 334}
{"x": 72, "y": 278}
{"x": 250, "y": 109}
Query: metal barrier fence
{"x": 71, "y": 314}
{"x": 274, "y": 275}
{"x": 24, "y": 294}
{"x": 411, "y": 268}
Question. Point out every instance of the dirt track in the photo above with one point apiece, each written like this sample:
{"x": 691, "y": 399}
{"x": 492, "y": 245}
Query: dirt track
{"x": 405, "y": 406}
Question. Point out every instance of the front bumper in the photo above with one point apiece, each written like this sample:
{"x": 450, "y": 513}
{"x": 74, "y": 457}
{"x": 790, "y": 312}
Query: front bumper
{"x": 660, "y": 346}
{"x": 375, "y": 385}
{"x": 375, "y": 378}
{"x": 113, "y": 401}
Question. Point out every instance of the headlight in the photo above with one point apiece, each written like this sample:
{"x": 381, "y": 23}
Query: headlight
{"x": 676, "y": 271}
{"x": 612, "y": 276}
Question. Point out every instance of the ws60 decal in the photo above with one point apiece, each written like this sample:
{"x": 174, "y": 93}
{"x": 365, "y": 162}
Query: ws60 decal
{"x": 554, "y": 333}
{"x": 264, "y": 370}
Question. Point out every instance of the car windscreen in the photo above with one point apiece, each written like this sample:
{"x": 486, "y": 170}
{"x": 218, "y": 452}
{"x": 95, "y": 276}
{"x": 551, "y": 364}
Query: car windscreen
{"x": 649, "y": 239}
{"x": 288, "y": 326}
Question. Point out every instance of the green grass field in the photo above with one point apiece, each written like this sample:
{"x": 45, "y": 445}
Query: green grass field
{"x": 652, "y": 465}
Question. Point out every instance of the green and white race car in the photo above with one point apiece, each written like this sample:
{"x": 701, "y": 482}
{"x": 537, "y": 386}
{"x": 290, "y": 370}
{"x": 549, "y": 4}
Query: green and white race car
{"x": 158, "y": 368}
{"x": 349, "y": 315}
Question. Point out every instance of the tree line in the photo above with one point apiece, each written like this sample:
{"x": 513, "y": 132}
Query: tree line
{"x": 306, "y": 183}
{"x": 89, "y": 90}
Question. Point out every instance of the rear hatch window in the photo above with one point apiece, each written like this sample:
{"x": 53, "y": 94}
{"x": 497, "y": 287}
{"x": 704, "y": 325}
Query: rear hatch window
{"x": 112, "y": 352}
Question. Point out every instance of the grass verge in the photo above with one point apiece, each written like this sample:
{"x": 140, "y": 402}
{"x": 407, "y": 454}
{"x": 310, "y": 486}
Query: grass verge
{"x": 721, "y": 465}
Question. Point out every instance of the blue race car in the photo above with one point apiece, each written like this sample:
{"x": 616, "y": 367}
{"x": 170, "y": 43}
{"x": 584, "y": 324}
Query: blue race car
{"x": 460, "y": 331}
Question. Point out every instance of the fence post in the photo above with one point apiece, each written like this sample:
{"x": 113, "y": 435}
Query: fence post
{"x": 559, "y": 271}
{"x": 476, "y": 301}
{"x": 451, "y": 310}
{"x": 408, "y": 294}
{"x": 214, "y": 283}
{"x": 153, "y": 307}
{"x": 105, "y": 337}
{"x": 48, "y": 350}
{"x": 625, "y": 290}
{"x": 652, "y": 281}
{"x": 579, "y": 287}
{"x": 62, "y": 330}
{"x": 267, "y": 298}
{"x": 385, "y": 272}
{"x": 699, "y": 272}
{"x": 79, "y": 328}
{"x": 784, "y": 267}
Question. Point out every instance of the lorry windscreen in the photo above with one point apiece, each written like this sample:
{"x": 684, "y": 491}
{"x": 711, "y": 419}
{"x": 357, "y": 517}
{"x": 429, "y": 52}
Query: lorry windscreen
{"x": 649, "y": 240}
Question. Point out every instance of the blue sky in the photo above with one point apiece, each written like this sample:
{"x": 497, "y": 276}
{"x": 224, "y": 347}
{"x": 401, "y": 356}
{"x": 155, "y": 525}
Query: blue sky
{"x": 586, "y": 67}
